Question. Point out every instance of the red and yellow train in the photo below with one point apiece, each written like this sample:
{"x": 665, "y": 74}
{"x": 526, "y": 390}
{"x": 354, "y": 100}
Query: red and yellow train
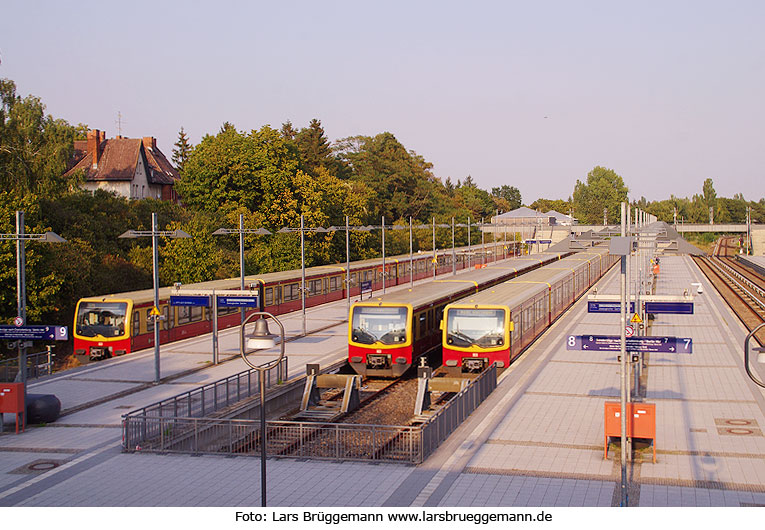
{"x": 116, "y": 324}
{"x": 388, "y": 333}
{"x": 497, "y": 324}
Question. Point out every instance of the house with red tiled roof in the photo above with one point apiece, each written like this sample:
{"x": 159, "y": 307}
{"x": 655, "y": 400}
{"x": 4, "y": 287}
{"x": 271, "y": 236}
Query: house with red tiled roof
{"x": 131, "y": 167}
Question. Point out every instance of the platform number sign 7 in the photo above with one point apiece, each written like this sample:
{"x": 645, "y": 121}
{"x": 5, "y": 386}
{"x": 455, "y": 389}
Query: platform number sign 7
{"x": 687, "y": 344}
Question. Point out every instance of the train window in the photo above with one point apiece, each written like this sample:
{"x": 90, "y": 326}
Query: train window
{"x": 269, "y": 300}
{"x": 196, "y": 313}
{"x": 479, "y": 327}
{"x": 277, "y": 294}
{"x": 291, "y": 292}
{"x": 166, "y": 323}
{"x": 314, "y": 287}
{"x": 226, "y": 310}
{"x": 106, "y": 319}
{"x": 184, "y": 314}
{"x": 326, "y": 285}
{"x": 423, "y": 318}
{"x": 136, "y": 322}
{"x": 528, "y": 317}
{"x": 386, "y": 325}
{"x": 334, "y": 283}
{"x": 353, "y": 279}
{"x": 149, "y": 322}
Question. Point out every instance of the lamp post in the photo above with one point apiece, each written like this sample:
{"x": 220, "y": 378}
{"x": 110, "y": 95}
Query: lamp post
{"x": 242, "y": 231}
{"x": 155, "y": 234}
{"x": 302, "y": 231}
{"x": 261, "y": 340}
{"x": 21, "y": 237}
{"x": 760, "y": 356}
{"x": 348, "y": 230}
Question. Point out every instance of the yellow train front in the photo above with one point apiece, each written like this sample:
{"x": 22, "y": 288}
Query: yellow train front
{"x": 497, "y": 324}
{"x": 387, "y": 334}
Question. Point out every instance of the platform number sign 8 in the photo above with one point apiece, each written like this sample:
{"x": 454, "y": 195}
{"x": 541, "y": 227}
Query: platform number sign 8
{"x": 572, "y": 342}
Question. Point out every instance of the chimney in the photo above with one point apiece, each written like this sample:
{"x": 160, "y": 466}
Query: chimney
{"x": 149, "y": 142}
{"x": 94, "y": 145}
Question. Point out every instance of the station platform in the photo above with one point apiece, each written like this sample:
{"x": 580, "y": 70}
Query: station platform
{"x": 754, "y": 262}
{"x": 536, "y": 441}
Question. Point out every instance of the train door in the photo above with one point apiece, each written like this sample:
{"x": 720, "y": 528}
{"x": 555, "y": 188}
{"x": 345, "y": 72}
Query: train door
{"x": 165, "y": 325}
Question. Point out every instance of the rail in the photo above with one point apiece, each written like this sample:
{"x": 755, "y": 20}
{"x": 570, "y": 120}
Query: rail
{"x": 173, "y": 433}
{"x": 729, "y": 274}
{"x": 38, "y": 365}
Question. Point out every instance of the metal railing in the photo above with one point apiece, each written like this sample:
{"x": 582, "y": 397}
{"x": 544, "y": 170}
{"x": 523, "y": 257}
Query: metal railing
{"x": 447, "y": 419}
{"x": 202, "y": 402}
{"x": 38, "y": 365}
{"x": 159, "y": 428}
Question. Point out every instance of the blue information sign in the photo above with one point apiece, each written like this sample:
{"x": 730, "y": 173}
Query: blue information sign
{"x": 366, "y": 287}
{"x": 187, "y": 300}
{"x": 677, "y": 308}
{"x": 633, "y": 344}
{"x": 34, "y": 332}
{"x": 607, "y": 307}
{"x": 238, "y": 301}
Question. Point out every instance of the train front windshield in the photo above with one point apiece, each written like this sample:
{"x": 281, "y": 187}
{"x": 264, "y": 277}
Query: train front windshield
{"x": 475, "y": 327}
{"x": 106, "y": 319}
{"x": 386, "y": 325}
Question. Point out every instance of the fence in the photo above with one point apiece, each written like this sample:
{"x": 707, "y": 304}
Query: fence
{"x": 142, "y": 424}
{"x": 154, "y": 429}
{"x": 38, "y": 365}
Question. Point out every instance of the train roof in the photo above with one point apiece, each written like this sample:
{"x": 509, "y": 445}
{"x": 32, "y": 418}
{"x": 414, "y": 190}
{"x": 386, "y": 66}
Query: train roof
{"x": 431, "y": 292}
{"x": 512, "y": 292}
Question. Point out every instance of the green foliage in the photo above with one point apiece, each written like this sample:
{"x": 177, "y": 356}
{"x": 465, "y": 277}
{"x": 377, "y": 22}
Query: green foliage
{"x": 181, "y": 150}
{"x": 234, "y": 169}
{"x": 34, "y": 148}
{"x": 400, "y": 180}
{"x": 511, "y": 194}
{"x": 604, "y": 190}
{"x": 545, "y": 205}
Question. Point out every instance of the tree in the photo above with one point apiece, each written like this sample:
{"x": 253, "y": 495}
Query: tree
{"x": 545, "y": 205}
{"x": 709, "y": 193}
{"x": 510, "y": 193}
{"x": 35, "y": 149}
{"x": 314, "y": 149}
{"x": 234, "y": 169}
{"x": 401, "y": 180}
{"x": 604, "y": 190}
{"x": 181, "y": 151}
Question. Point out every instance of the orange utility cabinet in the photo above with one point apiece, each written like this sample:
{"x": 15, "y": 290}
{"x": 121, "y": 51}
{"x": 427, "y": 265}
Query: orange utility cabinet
{"x": 12, "y": 400}
{"x": 641, "y": 423}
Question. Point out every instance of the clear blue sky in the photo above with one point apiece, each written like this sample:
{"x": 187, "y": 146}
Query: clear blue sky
{"x": 532, "y": 94}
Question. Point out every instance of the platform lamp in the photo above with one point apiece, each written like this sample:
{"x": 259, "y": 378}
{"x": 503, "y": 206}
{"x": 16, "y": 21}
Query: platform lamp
{"x": 155, "y": 234}
{"x": 302, "y": 231}
{"x": 261, "y": 339}
{"x": 760, "y": 356}
{"x": 21, "y": 237}
{"x": 242, "y": 231}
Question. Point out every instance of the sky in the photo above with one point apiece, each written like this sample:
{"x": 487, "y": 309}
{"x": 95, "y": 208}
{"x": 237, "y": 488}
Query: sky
{"x": 531, "y": 94}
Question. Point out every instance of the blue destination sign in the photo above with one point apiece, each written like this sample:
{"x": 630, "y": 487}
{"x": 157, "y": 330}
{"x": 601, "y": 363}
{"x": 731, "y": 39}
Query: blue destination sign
{"x": 608, "y": 307}
{"x": 34, "y": 332}
{"x": 676, "y": 308}
{"x": 366, "y": 287}
{"x": 238, "y": 301}
{"x": 197, "y": 301}
{"x": 633, "y": 344}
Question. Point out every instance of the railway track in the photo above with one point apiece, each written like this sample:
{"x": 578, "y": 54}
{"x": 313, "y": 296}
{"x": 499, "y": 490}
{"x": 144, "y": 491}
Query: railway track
{"x": 742, "y": 292}
{"x": 386, "y": 405}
